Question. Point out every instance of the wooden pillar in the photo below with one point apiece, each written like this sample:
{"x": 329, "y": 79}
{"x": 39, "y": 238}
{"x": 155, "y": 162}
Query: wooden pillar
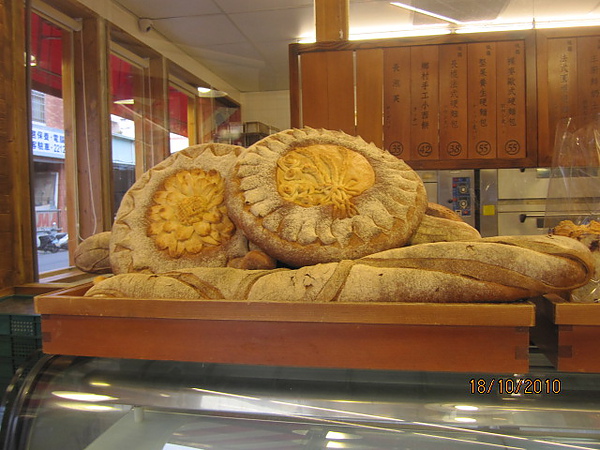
{"x": 16, "y": 227}
{"x": 332, "y": 20}
{"x": 92, "y": 136}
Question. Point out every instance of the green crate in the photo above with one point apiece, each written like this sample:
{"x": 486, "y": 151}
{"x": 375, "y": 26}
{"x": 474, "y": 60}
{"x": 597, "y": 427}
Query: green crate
{"x": 25, "y": 325}
{"x": 23, "y": 348}
{"x": 4, "y": 324}
{"x": 7, "y": 367}
{"x": 5, "y": 346}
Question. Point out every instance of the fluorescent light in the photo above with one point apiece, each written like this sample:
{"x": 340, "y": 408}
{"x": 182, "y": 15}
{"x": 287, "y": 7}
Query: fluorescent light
{"x": 427, "y": 30}
{"x": 210, "y": 93}
{"x": 489, "y": 26}
{"x": 426, "y": 13}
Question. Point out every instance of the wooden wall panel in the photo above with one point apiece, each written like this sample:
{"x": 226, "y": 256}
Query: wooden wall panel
{"x": 453, "y": 101}
{"x": 340, "y": 91}
{"x": 511, "y": 100}
{"x": 424, "y": 102}
{"x": 314, "y": 98}
{"x": 396, "y": 101}
{"x": 328, "y": 90}
{"x": 369, "y": 95}
{"x": 482, "y": 100}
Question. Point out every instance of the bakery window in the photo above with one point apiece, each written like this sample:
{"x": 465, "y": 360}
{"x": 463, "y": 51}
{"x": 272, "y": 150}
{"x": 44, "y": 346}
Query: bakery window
{"x": 127, "y": 78}
{"x": 48, "y": 39}
{"x": 181, "y": 112}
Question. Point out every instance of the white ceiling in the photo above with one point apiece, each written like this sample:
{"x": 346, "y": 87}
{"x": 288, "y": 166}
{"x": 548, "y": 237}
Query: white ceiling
{"x": 245, "y": 42}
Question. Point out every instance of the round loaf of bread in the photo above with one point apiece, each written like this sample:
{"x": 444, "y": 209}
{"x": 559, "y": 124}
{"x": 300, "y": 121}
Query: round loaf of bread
{"x": 92, "y": 254}
{"x": 175, "y": 217}
{"x": 307, "y": 196}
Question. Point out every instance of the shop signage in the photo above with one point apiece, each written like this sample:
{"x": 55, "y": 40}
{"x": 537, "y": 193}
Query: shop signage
{"x": 47, "y": 141}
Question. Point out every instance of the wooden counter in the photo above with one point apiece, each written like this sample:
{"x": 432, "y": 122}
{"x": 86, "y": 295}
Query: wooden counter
{"x": 397, "y": 336}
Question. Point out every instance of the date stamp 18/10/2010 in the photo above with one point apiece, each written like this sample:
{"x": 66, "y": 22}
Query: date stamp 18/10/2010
{"x": 515, "y": 386}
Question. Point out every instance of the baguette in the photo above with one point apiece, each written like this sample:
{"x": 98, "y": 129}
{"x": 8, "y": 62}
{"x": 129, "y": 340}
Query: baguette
{"x": 485, "y": 270}
{"x": 441, "y": 224}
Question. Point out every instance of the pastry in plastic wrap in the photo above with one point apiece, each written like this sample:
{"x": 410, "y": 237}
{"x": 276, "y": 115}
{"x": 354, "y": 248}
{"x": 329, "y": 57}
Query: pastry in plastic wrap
{"x": 175, "y": 216}
{"x": 589, "y": 235}
{"x": 486, "y": 270}
{"x": 307, "y": 196}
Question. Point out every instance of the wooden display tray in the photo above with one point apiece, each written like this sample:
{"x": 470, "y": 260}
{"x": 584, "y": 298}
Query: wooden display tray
{"x": 568, "y": 333}
{"x": 395, "y": 336}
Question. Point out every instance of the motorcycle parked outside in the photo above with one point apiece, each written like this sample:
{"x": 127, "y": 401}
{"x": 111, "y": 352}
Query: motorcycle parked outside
{"x": 50, "y": 240}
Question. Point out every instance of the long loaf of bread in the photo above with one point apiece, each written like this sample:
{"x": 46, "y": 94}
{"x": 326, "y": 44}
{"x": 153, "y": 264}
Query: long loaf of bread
{"x": 489, "y": 269}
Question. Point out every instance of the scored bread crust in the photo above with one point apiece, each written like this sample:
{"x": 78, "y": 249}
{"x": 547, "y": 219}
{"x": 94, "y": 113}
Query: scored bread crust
{"x": 485, "y": 270}
{"x": 164, "y": 221}
{"x": 372, "y": 216}
{"x": 92, "y": 254}
{"x": 441, "y": 224}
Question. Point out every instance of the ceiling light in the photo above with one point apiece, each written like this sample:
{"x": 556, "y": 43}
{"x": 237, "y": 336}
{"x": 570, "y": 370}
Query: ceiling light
{"x": 210, "y": 93}
{"x": 426, "y": 13}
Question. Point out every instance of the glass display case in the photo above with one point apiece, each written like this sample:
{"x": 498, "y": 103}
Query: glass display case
{"x": 62, "y": 402}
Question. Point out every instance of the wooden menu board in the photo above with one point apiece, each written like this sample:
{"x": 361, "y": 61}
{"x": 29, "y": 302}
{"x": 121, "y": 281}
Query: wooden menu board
{"x": 568, "y": 84}
{"x": 453, "y": 101}
{"x": 512, "y": 114}
{"x": 396, "y": 105}
{"x": 424, "y": 102}
{"x": 481, "y": 97}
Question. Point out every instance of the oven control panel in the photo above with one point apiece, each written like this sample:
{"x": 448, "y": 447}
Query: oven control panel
{"x": 461, "y": 196}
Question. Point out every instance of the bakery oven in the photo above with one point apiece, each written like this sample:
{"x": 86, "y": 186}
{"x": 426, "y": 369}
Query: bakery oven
{"x": 495, "y": 201}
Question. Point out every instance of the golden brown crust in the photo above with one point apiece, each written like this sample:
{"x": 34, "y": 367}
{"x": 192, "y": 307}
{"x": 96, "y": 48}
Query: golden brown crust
{"x": 174, "y": 216}
{"x": 343, "y": 198}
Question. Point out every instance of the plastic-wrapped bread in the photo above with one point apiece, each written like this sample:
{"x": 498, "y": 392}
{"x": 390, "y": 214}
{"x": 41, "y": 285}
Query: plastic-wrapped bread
{"x": 489, "y": 269}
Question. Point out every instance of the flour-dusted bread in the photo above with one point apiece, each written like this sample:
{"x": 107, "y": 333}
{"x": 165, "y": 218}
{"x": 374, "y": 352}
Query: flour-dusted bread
{"x": 307, "y": 196}
{"x": 485, "y": 270}
{"x": 441, "y": 224}
{"x": 174, "y": 216}
{"x": 92, "y": 254}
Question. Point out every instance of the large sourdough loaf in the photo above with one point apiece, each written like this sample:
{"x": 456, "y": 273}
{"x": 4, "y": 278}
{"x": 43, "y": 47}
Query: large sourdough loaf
{"x": 307, "y": 196}
{"x": 174, "y": 216}
{"x": 485, "y": 270}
